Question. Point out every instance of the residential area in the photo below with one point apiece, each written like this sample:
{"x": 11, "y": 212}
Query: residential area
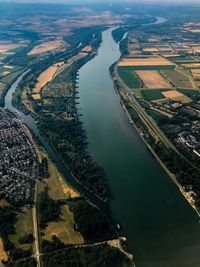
{"x": 18, "y": 161}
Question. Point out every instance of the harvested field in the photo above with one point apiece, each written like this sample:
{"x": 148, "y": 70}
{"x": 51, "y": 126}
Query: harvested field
{"x": 195, "y": 30}
{"x": 4, "y": 47}
{"x": 171, "y": 55}
{"x": 152, "y": 79}
{"x": 64, "y": 228}
{"x": 36, "y": 96}
{"x": 3, "y": 254}
{"x": 195, "y": 71}
{"x": 178, "y": 96}
{"x": 178, "y": 79}
{"x": 46, "y": 76}
{"x": 46, "y": 46}
{"x": 150, "y": 49}
{"x": 87, "y": 49}
{"x": 192, "y": 65}
{"x": 145, "y": 61}
{"x": 5, "y": 73}
{"x": 164, "y": 49}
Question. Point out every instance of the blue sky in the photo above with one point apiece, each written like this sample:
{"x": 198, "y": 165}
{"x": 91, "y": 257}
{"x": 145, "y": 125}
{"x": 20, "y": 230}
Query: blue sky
{"x": 100, "y": 1}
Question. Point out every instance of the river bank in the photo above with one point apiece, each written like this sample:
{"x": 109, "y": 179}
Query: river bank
{"x": 186, "y": 195}
{"x": 136, "y": 179}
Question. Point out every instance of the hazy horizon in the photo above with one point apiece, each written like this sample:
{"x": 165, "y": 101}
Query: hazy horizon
{"x": 102, "y": 1}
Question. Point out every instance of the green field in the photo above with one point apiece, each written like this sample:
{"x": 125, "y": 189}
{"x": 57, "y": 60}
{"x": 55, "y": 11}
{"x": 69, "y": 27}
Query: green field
{"x": 59, "y": 86}
{"x": 151, "y": 95}
{"x": 177, "y": 78}
{"x": 129, "y": 77}
{"x": 10, "y": 78}
{"x": 64, "y": 227}
{"x": 156, "y": 116}
{"x": 148, "y": 67}
{"x": 24, "y": 226}
{"x": 189, "y": 92}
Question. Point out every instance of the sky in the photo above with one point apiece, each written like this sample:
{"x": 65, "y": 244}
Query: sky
{"x": 100, "y": 1}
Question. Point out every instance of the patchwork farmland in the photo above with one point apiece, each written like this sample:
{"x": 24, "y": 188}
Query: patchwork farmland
{"x": 155, "y": 77}
{"x": 146, "y": 63}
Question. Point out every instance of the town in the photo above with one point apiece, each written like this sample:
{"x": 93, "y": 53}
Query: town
{"x": 18, "y": 162}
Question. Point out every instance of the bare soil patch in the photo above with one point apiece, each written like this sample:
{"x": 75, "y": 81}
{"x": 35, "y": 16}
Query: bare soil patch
{"x": 46, "y": 46}
{"x": 152, "y": 79}
{"x": 175, "y": 95}
{"x": 145, "y": 61}
{"x": 3, "y": 254}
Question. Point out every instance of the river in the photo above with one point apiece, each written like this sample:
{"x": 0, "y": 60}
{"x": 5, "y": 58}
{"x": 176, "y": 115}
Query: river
{"x": 161, "y": 228}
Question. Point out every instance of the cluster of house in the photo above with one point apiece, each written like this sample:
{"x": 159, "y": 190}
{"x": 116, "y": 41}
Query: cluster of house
{"x": 191, "y": 138}
{"x": 18, "y": 162}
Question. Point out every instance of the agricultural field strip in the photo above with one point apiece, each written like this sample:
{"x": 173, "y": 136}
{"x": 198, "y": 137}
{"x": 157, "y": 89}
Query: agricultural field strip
{"x": 152, "y": 79}
{"x": 46, "y": 47}
{"x": 50, "y": 73}
{"x": 145, "y": 61}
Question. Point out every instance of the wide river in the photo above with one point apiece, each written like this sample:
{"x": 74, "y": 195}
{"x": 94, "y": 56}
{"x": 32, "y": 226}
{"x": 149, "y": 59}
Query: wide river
{"x": 161, "y": 228}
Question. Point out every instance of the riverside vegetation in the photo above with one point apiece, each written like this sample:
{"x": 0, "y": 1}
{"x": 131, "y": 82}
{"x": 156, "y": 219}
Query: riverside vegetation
{"x": 58, "y": 121}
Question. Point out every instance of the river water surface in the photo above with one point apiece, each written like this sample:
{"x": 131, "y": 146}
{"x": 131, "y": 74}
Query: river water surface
{"x": 161, "y": 228}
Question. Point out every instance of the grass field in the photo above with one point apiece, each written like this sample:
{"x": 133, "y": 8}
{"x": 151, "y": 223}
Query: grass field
{"x": 59, "y": 86}
{"x": 129, "y": 77}
{"x": 57, "y": 186}
{"x": 59, "y": 189}
{"x": 64, "y": 228}
{"x": 9, "y": 79}
{"x": 151, "y": 95}
{"x": 45, "y": 47}
{"x": 178, "y": 79}
{"x": 24, "y": 226}
{"x": 189, "y": 92}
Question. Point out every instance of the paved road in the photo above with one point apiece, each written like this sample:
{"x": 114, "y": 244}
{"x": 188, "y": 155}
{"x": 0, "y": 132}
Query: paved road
{"x": 35, "y": 228}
